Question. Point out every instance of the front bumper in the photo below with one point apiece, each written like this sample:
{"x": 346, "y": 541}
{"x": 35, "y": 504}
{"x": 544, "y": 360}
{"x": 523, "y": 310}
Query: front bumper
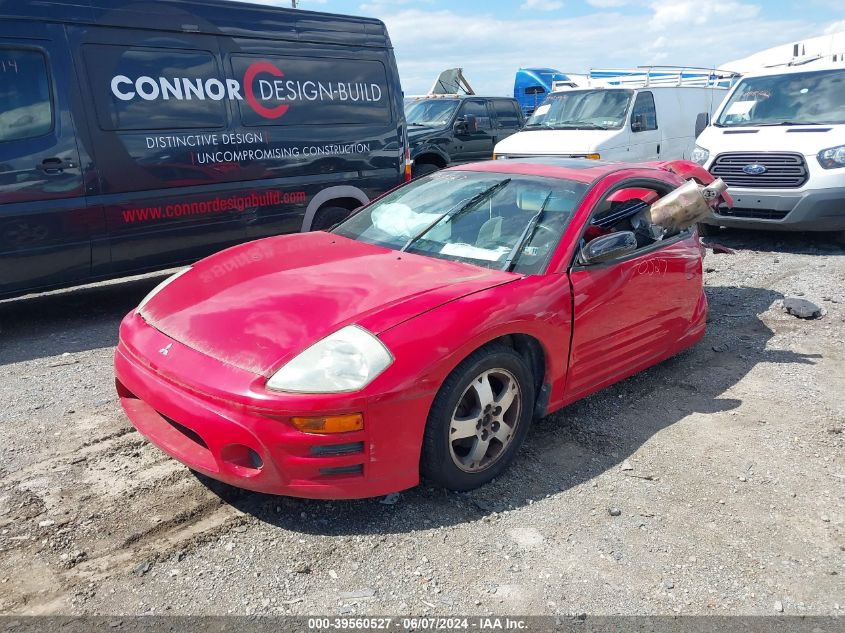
{"x": 255, "y": 446}
{"x": 809, "y": 210}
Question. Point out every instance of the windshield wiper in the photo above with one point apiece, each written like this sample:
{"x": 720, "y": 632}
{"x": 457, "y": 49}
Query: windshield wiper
{"x": 418, "y": 124}
{"x": 455, "y": 211}
{"x": 786, "y": 123}
{"x": 582, "y": 125}
{"x": 527, "y": 234}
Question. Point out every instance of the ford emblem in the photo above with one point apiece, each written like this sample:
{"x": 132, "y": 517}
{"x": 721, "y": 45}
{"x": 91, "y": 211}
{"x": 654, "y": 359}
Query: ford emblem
{"x": 755, "y": 169}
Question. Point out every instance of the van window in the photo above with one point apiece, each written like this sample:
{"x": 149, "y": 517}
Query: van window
{"x": 25, "y": 107}
{"x": 644, "y": 108}
{"x": 506, "y": 113}
{"x": 603, "y": 109}
{"x": 311, "y": 91}
{"x": 155, "y": 88}
{"x": 478, "y": 109}
{"x": 812, "y": 97}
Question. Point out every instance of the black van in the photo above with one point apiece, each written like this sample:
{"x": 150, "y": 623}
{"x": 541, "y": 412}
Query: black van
{"x": 139, "y": 135}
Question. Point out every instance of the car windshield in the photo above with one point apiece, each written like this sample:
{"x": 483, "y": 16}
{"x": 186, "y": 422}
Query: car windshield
{"x": 807, "y": 98}
{"x": 499, "y": 221}
{"x": 430, "y": 112}
{"x": 582, "y": 110}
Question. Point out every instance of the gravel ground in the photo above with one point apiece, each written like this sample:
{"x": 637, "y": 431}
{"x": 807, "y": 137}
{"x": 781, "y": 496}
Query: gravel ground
{"x": 712, "y": 483}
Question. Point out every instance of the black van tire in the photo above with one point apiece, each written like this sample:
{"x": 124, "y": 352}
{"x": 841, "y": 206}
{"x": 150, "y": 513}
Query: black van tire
{"x": 423, "y": 169}
{"x": 441, "y": 454}
{"x": 327, "y": 217}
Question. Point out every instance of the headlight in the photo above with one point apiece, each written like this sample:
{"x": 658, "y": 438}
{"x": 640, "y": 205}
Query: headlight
{"x": 159, "y": 288}
{"x": 699, "y": 155}
{"x": 833, "y": 157}
{"x": 348, "y": 360}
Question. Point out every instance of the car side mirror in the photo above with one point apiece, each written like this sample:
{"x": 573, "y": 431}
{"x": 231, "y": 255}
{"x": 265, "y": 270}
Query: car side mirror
{"x": 638, "y": 123}
{"x": 460, "y": 126}
{"x": 607, "y": 247}
{"x": 701, "y": 122}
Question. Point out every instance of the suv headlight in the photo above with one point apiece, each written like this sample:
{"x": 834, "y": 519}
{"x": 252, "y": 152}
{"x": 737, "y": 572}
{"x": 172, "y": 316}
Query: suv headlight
{"x": 159, "y": 288}
{"x": 699, "y": 155}
{"x": 833, "y": 157}
{"x": 348, "y": 360}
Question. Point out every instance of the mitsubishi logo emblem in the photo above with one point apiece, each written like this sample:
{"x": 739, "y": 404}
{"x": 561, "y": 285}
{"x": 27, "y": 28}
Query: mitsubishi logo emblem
{"x": 164, "y": 351}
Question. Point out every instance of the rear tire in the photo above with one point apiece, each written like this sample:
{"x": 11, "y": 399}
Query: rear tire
{"x": 479, "y": 419}
{"x": 424, "y": 169}
{"x": 328, "y": 217}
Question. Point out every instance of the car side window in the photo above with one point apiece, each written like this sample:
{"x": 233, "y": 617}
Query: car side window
{"x": 506, "y": 113}
{"x": 626, "y": 209}
{"x": 478, "y": 109}
{"x": 26, "y": 110}
{"x": 644, "y": 113}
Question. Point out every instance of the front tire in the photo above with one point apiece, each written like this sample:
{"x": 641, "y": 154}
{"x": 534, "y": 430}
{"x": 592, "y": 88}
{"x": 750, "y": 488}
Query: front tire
{"x": 423, "y": 169}
{"x": 479, "y": 419}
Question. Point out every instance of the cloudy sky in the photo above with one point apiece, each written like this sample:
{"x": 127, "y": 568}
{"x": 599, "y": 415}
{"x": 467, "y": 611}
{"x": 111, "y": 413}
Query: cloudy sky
{"x": 491, "y": 39}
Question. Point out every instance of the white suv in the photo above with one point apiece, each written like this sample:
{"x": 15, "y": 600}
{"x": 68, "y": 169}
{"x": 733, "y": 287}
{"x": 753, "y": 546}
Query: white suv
{"x": 778, "y": 141}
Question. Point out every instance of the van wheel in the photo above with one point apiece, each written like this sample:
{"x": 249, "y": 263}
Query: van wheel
{"x": 327, "y": 217}
{"x": 479, "y": 419}
{"x": 705, "y": 230}
{"x": 424, "y": 169}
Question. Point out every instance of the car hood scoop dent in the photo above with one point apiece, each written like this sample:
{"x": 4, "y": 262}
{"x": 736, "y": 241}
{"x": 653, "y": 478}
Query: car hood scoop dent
{"x": 257, "y": 305}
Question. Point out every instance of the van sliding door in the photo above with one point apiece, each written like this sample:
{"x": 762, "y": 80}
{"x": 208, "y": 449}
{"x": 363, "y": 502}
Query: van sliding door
{"x": 159, "y": 103}
{"x": 45, "y": 226}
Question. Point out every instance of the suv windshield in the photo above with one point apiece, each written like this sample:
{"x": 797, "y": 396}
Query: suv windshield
{"x": 430, "y": 112}
{"x": 810, "y": 98}
{"x": 582, "y": 110}
{"x": 500, "y": 221}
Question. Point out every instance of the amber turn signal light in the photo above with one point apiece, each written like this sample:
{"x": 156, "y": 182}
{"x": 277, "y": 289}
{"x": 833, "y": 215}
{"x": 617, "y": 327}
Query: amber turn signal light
{"x": 330, "y": 423}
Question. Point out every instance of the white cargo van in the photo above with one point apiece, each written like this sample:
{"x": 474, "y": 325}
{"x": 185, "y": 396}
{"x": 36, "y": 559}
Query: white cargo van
{"x": 640, "y": 119}
{"x": 779, "y": 143}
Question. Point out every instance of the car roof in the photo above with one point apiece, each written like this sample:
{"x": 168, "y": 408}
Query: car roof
{"x": 820, "y": 66}
{"x": 578, "y": 169}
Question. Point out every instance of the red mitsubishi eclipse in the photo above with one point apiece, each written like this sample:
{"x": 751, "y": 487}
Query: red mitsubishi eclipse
{"x": 421, "y": 335}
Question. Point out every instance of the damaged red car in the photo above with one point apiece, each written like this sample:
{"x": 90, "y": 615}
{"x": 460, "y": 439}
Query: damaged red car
{"x": 422, "y": 335}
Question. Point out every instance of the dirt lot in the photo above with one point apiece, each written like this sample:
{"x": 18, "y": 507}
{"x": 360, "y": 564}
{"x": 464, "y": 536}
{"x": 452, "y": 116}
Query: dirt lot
{"x": 726, "y": 465}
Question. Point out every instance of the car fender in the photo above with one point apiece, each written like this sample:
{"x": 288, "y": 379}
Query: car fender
{"x": 429, "y": 347}
{"x": 428, "y": 147}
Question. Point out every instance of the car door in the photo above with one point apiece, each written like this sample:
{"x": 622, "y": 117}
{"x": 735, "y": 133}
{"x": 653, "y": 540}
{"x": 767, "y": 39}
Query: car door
{"x": 474, "y": 142}
{"x": 508, "y": 118}
{"x": 45, "y": 225}
{"x": 645, "y": 132}
{"x": 632, "y": 311}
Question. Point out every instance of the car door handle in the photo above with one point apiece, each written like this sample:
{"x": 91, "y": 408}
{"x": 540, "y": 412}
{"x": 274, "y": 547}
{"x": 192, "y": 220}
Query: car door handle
{"x": 54, "y": 165}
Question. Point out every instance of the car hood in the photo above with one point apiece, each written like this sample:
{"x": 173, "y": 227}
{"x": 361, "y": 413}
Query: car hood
{"x": 257, "y": 305}
{"x": 806, "y": 140}
{"x": 554, "y": 142}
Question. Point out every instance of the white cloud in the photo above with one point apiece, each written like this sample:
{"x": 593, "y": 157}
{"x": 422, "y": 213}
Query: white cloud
{"x": 682, "y": 13}
{"x": 541, "y": 5}
{"x": 836, "y": 27}
{"x": 491, "y": 48}
{"x": 607, "y": 4}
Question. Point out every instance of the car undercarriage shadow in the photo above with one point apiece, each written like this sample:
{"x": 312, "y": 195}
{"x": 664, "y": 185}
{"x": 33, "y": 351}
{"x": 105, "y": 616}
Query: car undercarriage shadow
{"x": 73, "y": 320}
{"x": 569, "y": 447}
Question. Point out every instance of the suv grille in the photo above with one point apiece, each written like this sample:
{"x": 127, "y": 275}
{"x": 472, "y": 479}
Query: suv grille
{"x": 782, "y": 171}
